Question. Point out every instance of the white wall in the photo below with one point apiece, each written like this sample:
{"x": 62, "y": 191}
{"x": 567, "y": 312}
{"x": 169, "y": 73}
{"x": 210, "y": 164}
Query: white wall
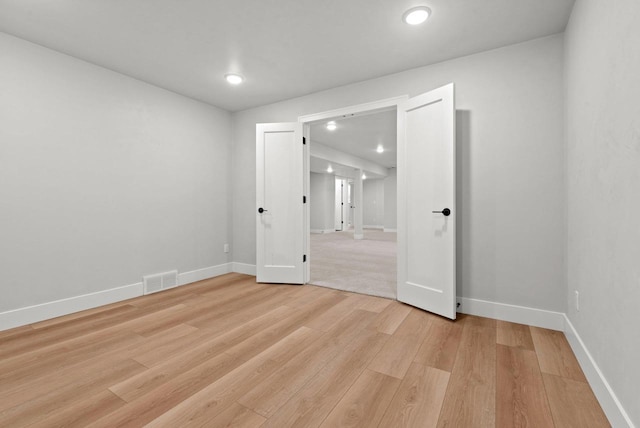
{"x": 603, "y": 164}
{"x": 391, "y": 200}
{"x": 322, "y": 201}
{"x": 373, "y": 202}
{"x": 511, "y": 239}
{"x": 103, "y": 178}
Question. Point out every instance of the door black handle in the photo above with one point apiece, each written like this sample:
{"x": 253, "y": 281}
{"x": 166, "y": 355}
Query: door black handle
{"x": 446, "y": 212}
{"x": 261, "y": 210}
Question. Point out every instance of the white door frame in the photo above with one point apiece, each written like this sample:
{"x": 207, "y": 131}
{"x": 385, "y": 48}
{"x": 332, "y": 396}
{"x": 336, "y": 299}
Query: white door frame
{"x": 351, "y": 111}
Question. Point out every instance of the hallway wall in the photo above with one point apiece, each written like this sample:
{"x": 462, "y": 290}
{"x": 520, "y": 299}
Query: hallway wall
{"x": 321, "y": 202}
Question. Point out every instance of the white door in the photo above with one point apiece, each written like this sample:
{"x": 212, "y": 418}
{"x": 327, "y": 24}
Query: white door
{"x": 338, "y": 205}
{"x": 426, "y": 202}
{"x": 279, "y": 203}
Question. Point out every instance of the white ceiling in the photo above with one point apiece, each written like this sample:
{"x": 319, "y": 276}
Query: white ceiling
{"x": 360, "y": 136}
{"x": 284, "y": 48}
{"x": 320, "y": 166}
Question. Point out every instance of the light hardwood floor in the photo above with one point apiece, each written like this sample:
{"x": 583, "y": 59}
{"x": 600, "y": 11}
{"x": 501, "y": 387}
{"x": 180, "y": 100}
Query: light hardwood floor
{"x": 230, "y": 352}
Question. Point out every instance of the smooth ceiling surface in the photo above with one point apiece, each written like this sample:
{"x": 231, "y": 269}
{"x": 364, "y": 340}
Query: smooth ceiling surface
{"x": 360, "y": 136}
{"x": 284, "y": 48}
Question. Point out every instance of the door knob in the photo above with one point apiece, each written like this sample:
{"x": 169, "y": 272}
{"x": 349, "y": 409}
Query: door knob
{"x": 446, "y": 212}
{"x": 261, "y": 210}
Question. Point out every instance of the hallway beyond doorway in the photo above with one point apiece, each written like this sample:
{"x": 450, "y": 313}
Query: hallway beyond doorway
{"x": 366, "y": 266}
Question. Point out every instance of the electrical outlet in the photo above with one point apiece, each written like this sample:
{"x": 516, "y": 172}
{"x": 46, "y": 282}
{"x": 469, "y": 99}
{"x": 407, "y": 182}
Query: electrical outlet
{"x": 577, "y": 300}
{"x": 226, "y": 248}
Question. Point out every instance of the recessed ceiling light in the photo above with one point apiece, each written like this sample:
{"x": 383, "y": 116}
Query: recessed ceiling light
{"x": 234, "y": 79}
{"x": 331, "y": 126}
{"x": 364, "y": 177}
{"x": 329, "y": 169}
{"x": 416, "y": 15}
{"x": 380, "y": 149}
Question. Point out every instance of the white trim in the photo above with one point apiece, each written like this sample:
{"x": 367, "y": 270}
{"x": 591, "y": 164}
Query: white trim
{"x": 245, "y": 268}
{"x": 57, "y": 308}
{"x": 44, "y": 311}
{"x": 611, "y": 406}
{"x": 512, "y": 313}
{"x": 373, "y": 226}
{"x": 360, "y": 109}
{"x": 386, "y": 229}
{"x": 205, "y": 273}
{"x": 318, "y": 231}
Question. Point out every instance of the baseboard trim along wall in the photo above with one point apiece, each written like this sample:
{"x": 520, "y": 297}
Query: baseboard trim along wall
{"x": 244, "y": 268}
{"x": 318, "y": 231}
{"x": 57, "y": 308}
{"x": 373, "y": 226}
{"x": 205, "y": 273}
{"x": 560, "y": 322}
{"x": 606, "y": 397}
{"x": 501, "y": 311}
{"x": 386, "y": 229}
{"x": 512, "y": 313}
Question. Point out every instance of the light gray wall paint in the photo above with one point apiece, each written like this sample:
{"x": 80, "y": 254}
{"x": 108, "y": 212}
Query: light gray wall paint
{"x": 373, "y": 202}
{"x": 391, "y": 200}
{"x": 603, "y": 164}
{"x": 322, "y": 201}
{"x": 103, "y": 178}
{"x": 510, "y": 164}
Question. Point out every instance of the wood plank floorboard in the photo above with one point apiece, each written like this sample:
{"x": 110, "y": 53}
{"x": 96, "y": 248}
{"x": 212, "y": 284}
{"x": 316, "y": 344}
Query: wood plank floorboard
{"x": 365, "y": 402}
{"x": 520, "y": 396}
{"x": 573, "y": 404}
{"x": 397, "y": 354}
{"x": 440, "y": 344}
{"x": 555, "y": 355}
{"x": 391, "y": 317}
{"x": 418, "y": 402}
{"x": 278, "y": 388}
{"x": 470, "y": 397}
{"x": 230, "y": 352}
{"x": 517, "y": 335}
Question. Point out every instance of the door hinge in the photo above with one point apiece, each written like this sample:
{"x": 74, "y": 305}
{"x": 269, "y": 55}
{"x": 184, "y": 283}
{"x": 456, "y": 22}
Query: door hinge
{"x": 304, "y": 258}
{"x": 304, "y": 140}
{"x": 304, "y": 199}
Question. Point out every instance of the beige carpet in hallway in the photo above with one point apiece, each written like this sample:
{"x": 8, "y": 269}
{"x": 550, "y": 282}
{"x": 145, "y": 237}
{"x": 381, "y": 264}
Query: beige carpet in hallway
{"x": 366, "y": 266}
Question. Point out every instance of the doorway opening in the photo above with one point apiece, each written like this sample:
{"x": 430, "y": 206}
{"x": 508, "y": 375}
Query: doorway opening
{"x": 426, "y": 209}
{"x": 353, "y": 203}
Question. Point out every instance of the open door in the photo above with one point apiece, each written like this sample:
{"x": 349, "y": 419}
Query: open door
{"x": 279, "y": 203}
{"x": 426, "y": 202}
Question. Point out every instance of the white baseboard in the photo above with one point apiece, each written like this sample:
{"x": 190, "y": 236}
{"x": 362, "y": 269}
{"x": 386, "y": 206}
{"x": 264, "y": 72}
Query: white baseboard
{"x": 374, "y": 226}
{"x": 606, "y": 397}
{"x": 512, "y": 313}
{"x": 44, "y": 311}
{"x": 318, "y": 231}
{"x": 389, "y": 230}
{"x": 205, "y": 273}
{"x": 57, "y": 308}
{"x": 247, "y": 269}
{"x": 560, "y": 322}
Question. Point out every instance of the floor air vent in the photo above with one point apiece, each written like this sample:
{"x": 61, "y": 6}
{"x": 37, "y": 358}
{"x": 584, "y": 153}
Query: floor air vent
{"x": 160, "y": 281}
